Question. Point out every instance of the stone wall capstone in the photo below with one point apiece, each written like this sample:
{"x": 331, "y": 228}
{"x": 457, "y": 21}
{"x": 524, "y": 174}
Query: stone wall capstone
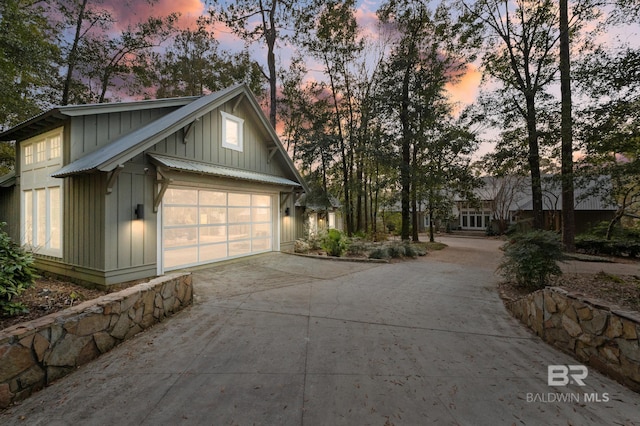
{"x": 602, "y": 336}
{"x": 35, "y": 353}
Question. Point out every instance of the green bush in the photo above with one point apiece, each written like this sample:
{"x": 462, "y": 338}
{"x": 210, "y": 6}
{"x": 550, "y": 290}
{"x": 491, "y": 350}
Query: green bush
{"x": 334, "y": 243}
{"x": 357, "y": 246}
{"x": 379, "y": 253}
{"x": 591, "y": 244}
{"x": 16, "y": 274}
{"x": 396, "y": 251}
{"x": 530, "y": 258}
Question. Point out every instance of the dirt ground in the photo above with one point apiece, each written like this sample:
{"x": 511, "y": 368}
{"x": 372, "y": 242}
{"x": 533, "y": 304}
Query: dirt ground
{"x": 49, "y": 295}
{"x": 620, "y": 290}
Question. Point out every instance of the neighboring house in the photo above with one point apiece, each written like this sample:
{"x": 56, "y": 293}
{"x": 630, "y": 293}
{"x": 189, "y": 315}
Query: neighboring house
{"x": 109, "y": 193}
{"x": 503, "y": 201}
{"x": 321, "y": 212}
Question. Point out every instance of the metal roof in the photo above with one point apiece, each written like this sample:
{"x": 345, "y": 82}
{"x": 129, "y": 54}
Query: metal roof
{"x": 136, "y": 142}
{"x": 8, "y": 180}
{"x": 587, "y": 195}
{"x": 128, "y": 146}
{"x": 57, "y": 115}
{"x": 184, "y": 165}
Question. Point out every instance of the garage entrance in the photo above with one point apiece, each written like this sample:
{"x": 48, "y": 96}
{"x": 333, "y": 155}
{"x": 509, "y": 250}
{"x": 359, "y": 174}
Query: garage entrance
{"x": 204, "y": 225}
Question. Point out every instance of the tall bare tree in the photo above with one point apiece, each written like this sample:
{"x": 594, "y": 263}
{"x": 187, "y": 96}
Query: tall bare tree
{"x": 566, "y": 131}
{"x": 423, "y": 59}
{"x": 268, "y": 22}
{"x": 521, "y": 53}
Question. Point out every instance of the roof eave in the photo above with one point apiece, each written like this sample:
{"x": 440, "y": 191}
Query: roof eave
{"x": 276, "y": 140}
{"x": 110, "y": 164}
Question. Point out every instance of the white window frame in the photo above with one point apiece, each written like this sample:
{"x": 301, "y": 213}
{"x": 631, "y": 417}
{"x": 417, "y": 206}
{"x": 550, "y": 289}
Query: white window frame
{"x": 41, "y": 151}
{"x": 331, "y": 220}
{"x": 55, "y": 147}
{"x": 42, "y": 241}
{"x": 239, "y": 146}
{"x": 42, "y": 155}
{"x": 28, "y": 154}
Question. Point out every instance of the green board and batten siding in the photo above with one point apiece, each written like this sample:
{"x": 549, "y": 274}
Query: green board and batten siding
{"x": 102, "y": 241}
{"x": 95, "y": 249}
{"x": 90, "y": 132}
{"x": 121, "y": 247}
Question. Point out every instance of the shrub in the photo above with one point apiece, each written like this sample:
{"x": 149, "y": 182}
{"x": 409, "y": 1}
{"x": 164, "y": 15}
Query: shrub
{"x": 334, "y": 243}
{"x": 379, "y": 253}
{"x": 616, "y": 247}
{"x": 357, "y": 247}
{"x": 301, "y": 246}
{"x": 419, "y": 249}
{"x": 16, "y": 274}
{"x": 396, "y": 251}
{"x": 530, "y": 259}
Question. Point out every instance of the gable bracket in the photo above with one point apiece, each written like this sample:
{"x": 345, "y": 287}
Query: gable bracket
{"x": 157, "y": 199}
{"x": 188, "y": 131}
{"x": 286, "y": 197}
{"x": 272, "y": 152}
{"x": 235, "y": 106}
{"x": 113, "y": 175}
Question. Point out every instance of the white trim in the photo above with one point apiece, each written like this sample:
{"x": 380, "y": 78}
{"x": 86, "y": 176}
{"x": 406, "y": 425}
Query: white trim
{"x": 35, "y": 177}
{"x": 226, "y": 117}
{"x": 159, "y": 242}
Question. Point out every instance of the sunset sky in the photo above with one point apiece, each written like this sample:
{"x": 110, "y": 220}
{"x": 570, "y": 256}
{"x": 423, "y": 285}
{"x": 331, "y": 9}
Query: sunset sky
{"x": 463, "y": 93}
{"x": 137, "y": 10}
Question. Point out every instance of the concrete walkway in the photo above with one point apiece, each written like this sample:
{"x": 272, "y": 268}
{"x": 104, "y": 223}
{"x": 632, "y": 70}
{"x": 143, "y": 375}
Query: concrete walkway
{"x": 285, "y": 340}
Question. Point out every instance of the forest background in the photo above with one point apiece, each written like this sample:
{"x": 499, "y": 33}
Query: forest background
{"x": 381, "y": 104}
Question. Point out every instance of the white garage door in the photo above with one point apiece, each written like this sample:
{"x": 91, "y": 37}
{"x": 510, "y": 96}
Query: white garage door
{"x": 202, "y": 226}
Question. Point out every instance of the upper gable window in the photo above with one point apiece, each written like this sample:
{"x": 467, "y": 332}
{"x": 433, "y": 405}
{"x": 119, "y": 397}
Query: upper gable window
{"x": 232, "y": 131}
{"x": 46, "y": 148}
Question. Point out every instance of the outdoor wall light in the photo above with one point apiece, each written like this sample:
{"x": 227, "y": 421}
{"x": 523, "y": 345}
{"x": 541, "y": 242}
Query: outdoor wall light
{"x": 286, "y": 211}
{"x": 139, "y": 211}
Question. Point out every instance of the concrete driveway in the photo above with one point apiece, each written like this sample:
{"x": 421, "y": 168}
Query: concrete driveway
{"x": 286, "y": 340}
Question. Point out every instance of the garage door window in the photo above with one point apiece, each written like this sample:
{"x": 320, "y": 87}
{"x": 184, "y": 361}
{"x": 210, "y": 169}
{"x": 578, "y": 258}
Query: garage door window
{"x": 201, "y": 226}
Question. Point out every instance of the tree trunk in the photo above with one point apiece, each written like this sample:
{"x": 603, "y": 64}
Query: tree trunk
{"x": 414, "y": 195}
{"x": 271, "y": 63}
{"x": 71, "y": 60}
{"x": 431, "y": 233}
{"x": 568, "y": 214}
{"x": 534, "y": 163}
{"x": 405, "y": 164}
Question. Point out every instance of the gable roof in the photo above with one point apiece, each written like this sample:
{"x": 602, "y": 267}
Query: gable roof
{"x": 123, "y": 149}
{"x": 58, "y": 115}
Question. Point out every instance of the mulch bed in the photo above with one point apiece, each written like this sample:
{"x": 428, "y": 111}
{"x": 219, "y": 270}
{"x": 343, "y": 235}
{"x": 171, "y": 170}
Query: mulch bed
{"x": 620, "y": 290}
{"x": 48, "y": 296}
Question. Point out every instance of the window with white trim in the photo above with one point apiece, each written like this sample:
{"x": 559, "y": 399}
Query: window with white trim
{"x": 47, "y": 147}
{"x": 42, "y": 220}
{"x": 28, "y": 154}
{"x": 232, "y": 132}
{"x": 41, "y": 212}
{"x": 54, "y": 147}
{"x": 331, "y": 218}
{"x": 41, "y": 151}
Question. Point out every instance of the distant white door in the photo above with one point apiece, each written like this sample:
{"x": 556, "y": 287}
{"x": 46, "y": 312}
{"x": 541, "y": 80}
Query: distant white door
{"x": 205, "y": 225}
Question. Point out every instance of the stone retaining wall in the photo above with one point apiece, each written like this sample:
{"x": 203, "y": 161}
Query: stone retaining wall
{"x": 35, "y": 353}
{"x": 599, "y": 335}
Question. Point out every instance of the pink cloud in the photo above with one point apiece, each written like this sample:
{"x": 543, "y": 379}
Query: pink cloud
{"x": 367, "y": 20}
{"x": 132, "y": 12}
{"x": 465, "y": 90}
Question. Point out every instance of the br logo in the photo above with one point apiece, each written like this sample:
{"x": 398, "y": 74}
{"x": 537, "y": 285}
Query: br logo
{"x": 563, "y": 375}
